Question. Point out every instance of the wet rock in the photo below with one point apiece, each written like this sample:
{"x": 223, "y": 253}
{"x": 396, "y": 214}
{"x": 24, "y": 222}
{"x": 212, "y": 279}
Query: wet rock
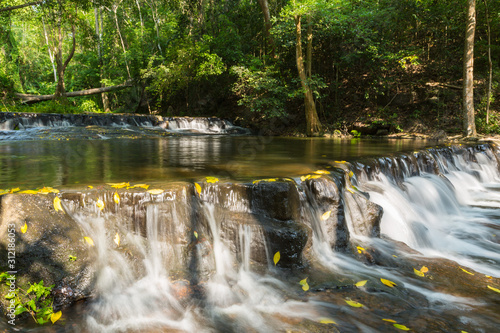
{"x": 324, "y": 196}
{"x": 278, "y": 200}
{"x": 365, "y": 215}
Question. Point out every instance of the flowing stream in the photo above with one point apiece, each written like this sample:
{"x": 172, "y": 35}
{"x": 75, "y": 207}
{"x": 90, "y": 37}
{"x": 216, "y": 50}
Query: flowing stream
{"x": 372, "y": 236}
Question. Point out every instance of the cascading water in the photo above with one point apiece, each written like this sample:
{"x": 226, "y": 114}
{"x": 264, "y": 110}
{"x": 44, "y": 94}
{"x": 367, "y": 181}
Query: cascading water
{"x": 202, "y": 257}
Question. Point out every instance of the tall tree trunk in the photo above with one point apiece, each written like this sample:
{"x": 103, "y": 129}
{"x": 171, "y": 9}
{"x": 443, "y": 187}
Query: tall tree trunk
{"x": 115, "y": 9}
{"x": 468, "y": 80}
{"x": 313, "y": 125}
{"x": 98, "y": 32}
{"x": 51, "y": 56}
{"x": 264, "y": 5}
{"x": 490, "y": 74}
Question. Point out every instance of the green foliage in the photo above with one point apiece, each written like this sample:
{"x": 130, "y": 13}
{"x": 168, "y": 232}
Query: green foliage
{"x": 261, "y": 90}
{"x": 35, "y": 300}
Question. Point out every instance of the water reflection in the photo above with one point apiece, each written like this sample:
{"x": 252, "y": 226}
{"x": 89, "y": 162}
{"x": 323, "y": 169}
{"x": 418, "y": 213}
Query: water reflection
{"x": 57, "y": 159}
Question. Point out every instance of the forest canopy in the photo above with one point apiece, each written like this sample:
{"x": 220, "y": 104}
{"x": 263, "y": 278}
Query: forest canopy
{"x": 392, "y": 61}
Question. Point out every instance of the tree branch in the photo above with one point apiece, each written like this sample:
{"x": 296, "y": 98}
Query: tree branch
{"x": 5, "y": 9}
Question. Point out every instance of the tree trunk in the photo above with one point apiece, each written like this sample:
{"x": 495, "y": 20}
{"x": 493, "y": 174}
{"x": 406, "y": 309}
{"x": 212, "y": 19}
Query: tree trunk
{"x": 490, "y": 74}
{"x": 115, "y": 9}
{"x": 264, "y": 5}
{"x": 39, "y": 98}
{"x": 51, "y": 56}
{"x": 468, "y": 68}
{"x": 313, "y": 125}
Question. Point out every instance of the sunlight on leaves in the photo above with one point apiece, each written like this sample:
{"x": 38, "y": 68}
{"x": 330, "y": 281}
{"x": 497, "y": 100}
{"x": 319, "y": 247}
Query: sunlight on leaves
{"x": 361, "y": 283}
{"x": 116, "y": 198}
{"x": 100, "y": 204}
{"x": 494, "y": 289}
{"x": 353, "y": 303}
{"x": 327, "y": 321}
{"x": 117, "y": 239}
{"x": 276, "y": 257}
{"x": 155, "y": 191}
{"x": 401, "y": 327}
{"x": 326, "y": 215}
{"x": 89, "y": 240}
{"x": 57, "y": 204}
{"x": 55, "y": 316}
{"x": 388, "y": 283}
{"x": 466, "y": 271}
{"x": 24, "y": 228}
{"x": 198, "y": 188}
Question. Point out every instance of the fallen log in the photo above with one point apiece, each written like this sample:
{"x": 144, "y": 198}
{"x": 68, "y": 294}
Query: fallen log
{"x": 28, "y": 98}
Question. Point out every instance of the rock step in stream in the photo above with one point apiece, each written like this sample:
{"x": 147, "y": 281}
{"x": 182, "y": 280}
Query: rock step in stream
{"x": 185, "y": 223}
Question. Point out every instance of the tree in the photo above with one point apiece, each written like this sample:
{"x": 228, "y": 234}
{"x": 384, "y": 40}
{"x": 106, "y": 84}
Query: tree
{"x": 468, "y": 71}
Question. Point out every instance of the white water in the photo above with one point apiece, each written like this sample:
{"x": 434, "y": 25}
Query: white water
{"x": 449, "y": 215}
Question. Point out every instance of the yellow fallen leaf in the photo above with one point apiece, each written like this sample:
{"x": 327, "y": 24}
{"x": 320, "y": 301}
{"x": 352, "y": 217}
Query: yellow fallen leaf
{"x": 24, "y": 228}
{"x": 494, "y": 289}
{"x": 327, "y": 321}
{"x": 212, "y": 179}
{"x": 489, "y": 277}
{"x": 326, "y": 215}
{"x": 276, "y": 257}
{"x": 401, "y": 327}
{"x": 388, "y": 283}
{"x": 303, "y": 178}
{"x": 315, "y": 176}
{"x": 395, "y": 256}
{"x": 47, "y": 190}
{"x": 195, "y": 234}
{"x": 351, "y": 174}
{"x": 389, "y": 320}
{"x": 322, "y": 172}
{"x": 57, "y": 204}
{"x": 354, "y": 303}
{"x": 14, "y": 190}
{"x": 100, "y": 204}
{"x": 116, "y": 198}
{"x": 118, "y": 185}
{"x": 89, "y": 241}
{"x": 417, "y": 272}
{"x": 340, "y": 162}
{"x": 29, "y": 192}
{"x": 424, "y": 269}
{"x": 361, "y": 283}
{"x": 348, "y": 189}
{"x": 117, "y": 239}
{"x": 55, "y": 316}
{"x": 360, "y": 249}
{"x": 2, "y": 192}
{"x": 256, "y": 181}
{"x": 305, "y": 287}
{"x": 90, "y": 187}
{"x": 198, "y": 188}
{"x": 466, "y": 271}
{"x": 155, "y": 191}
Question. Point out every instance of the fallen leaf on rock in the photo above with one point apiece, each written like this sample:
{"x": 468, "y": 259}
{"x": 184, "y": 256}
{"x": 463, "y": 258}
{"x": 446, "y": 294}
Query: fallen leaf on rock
{"x": 57, "y": 204}
{"x": 116, "y": 198}
{"x": 89, "y": 240}
{"x": 100, "y": 204}
{"x": 466, "y": 271}
{"x": 155, "y": 191}
{"x": 494, "y": 289}
{"x": 322, "y": 172}
{"x": 361, "y": 283}
{"x": 424, "y": 269}
{"x": 419, "y": 273}
{"x": 117, "y": 239}
{"x": 327, "y": 321}
{"x": 119, "y": 185}
{"x": 198, "y": 188}
{"x": 388, "y": 283}
{"x": 212, "y": 179}
{"x": 389, "y": 320}
{"x": 55, "y": 316}
{"x": 276, "y": 257}
{"x": 24, "y": 228}
{"x": 29, "y": 192}
{"x": 401, "y": 327}
{"x": 326, "y": 215}
{"x": 354, "y": 303}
